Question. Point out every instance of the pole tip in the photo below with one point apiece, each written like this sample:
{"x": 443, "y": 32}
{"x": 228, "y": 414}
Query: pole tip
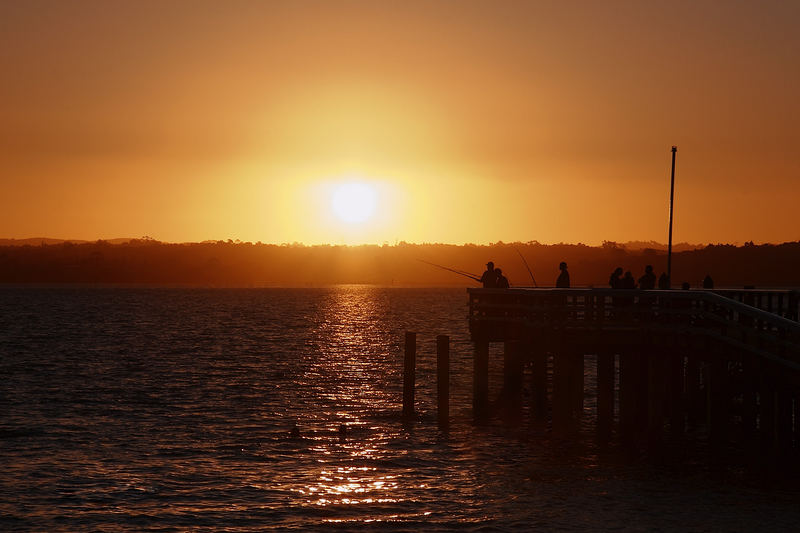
{"x": 674, "y": 148}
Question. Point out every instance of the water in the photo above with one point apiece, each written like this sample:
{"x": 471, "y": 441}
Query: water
{"x": 171, "y": 409}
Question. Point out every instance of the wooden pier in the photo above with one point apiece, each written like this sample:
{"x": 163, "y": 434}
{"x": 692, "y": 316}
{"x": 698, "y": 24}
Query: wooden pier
{"x": 725, "y": 363}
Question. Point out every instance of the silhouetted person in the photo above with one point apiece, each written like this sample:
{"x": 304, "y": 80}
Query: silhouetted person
{"x": 615, "y": 281}
{"x": 627, "y": 281}
{"x": 648, "y": 279}
{"x": 663, "y": 281}
{"x": 489, "y": 278}
{"x": 647, "y": 282}
{"x": 708, "y": 283}
{"x": 502, "y": 281}
{"x": 563, "y": 279}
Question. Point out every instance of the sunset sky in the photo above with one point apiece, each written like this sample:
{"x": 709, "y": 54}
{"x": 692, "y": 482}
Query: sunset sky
{"x": 372, "y": 122}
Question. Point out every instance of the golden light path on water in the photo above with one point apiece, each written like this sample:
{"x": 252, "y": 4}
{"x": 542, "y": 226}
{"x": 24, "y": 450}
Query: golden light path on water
{"x": 353, "y": 352}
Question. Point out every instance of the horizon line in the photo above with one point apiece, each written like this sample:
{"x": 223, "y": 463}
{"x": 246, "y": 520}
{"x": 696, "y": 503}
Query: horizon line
{"x": 635, "y": 244}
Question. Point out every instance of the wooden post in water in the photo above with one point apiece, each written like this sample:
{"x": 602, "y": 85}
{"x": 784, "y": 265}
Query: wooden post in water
{"x": 577, "y": 383}
{"x": 512, "y": 380}
{"x": 443, "y": 379}
{"x": 627, "y": 396}
{"x": 657, "y": 376}
{"x": 563, "y": 401}
{"x": 480, "y": 379}
{"x": 642, "y": 387}
{"x": 605, "y": 395}
{"x": 538, "y": 380}
{"x": 676, "y": 409}
{"x": 718, "y": 399}
{"x": 633, "y": 409}
{"x": 539, "y": 384}
{"x": 783, "y": 420}
{"x": 750, "y": 380}
{"x": 409, "y": 369}
{"x": 693, "y": 400}
{"x": 766, "y": 411}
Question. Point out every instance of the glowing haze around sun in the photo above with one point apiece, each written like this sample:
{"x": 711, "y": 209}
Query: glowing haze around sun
{"x": 354, "y": 202}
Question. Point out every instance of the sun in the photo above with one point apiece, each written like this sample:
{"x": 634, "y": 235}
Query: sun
{"x": 354, "y": 202}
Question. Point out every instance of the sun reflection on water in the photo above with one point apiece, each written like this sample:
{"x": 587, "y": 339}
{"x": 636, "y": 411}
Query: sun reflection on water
{"x": 348, "y": 371}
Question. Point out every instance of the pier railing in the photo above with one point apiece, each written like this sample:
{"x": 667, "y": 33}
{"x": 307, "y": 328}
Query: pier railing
{"x": 512, "y": 314}
{"x": 781, "y": 302}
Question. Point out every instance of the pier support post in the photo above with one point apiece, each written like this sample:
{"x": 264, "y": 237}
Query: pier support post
{"x": 480, "y": 393}
{"x": 633, "y": 400}
{"x": 443, "y": 379}
{"x": 605, "y": 395}
{"x": 409, "y": 369}
{"x": 512, "y": 380}
{"x": 694, "y": 401}
{"x": 627, "y": 396}
{"x": 657, "y": 380}
{"x": 766, "y": 411}
{"x": 749, "y": 407}
{"x": 577, "y": 383}
{"x": 783, "y": 419}
{"x": 718, "y": 400}
{"x": 563, "y": 390}
{"x": 539, "y": 385}
{"x": 675, "y": 363}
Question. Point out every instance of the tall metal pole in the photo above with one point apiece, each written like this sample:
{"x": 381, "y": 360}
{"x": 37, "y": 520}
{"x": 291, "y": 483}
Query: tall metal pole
{"x": 671, "y": 199}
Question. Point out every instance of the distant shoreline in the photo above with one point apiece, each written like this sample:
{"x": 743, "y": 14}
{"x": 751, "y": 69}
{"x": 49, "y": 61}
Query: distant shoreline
{"x": 227, "y": 264}
{"x": 628, "y": 245}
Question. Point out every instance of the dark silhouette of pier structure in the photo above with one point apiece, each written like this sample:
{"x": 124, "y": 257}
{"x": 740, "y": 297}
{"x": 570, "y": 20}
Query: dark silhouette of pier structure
{"x": 726, "y": 361}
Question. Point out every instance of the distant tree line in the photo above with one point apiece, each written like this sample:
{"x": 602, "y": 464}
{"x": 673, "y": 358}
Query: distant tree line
{"x": 244, "y": 264}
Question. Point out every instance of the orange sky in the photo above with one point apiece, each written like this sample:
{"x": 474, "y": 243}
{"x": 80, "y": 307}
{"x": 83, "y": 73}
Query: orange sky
{"x": 468, "y": 121}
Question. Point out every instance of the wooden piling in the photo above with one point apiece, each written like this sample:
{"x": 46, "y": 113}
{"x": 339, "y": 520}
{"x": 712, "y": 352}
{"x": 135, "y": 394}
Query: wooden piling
{"x": 409, "y": 368}
{"x": 657, "y": 379}
{"x": 675, "y": 403}
{"x": 750, "y": 378}
{"x": 693, "y": 400}
{"x": 512, "y": 380}
{"x": 605, "y": 395}
{"x": 628, "y": 385}
{"x": 562, "y": 392}
{"x": 766, "y": 412}
{"x": 718, "y": 400}
{"x": 539, "y": 385}
{"x": 443, "y": 379}
{"x": 480, "y": 394}
{"x": 634, "y": 402}
{"x": 642, "y": 392}
{"x": 577, "y": 383}
{"x": 783, "y": 421}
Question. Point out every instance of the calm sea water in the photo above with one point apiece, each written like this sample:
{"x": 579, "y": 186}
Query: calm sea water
{"x": 171, "y": 409}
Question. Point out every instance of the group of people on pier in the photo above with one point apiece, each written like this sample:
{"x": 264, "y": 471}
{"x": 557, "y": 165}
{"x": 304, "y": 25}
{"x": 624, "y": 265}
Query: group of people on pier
{"x": 493, "y": 278}
{"x": 646, "y": 282}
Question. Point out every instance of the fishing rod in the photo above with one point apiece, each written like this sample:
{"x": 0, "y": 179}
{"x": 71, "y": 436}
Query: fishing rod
{"x": 459, "y": 272}
{"x": 526, "y": 266}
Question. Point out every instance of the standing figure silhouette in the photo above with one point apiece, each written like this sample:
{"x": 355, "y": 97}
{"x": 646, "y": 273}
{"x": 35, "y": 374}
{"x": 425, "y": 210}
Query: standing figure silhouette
{"x": 489, "y": 278}
{"x": 563, "y": 279}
